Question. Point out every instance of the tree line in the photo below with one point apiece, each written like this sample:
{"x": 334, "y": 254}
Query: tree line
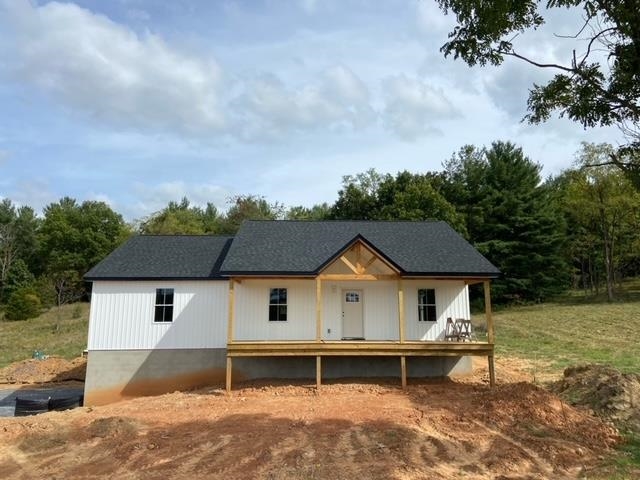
{"x": 577, "y": 229}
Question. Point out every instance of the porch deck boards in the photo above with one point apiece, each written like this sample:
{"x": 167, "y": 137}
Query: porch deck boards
{"x": 299, "y": 348}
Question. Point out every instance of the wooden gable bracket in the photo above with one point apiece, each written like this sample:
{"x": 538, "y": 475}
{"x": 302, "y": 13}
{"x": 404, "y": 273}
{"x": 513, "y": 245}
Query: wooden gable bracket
{"x": 359, "y": 266}
{"x": 353, "y": 268}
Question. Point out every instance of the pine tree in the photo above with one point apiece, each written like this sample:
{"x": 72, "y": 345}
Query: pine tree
{"x": 511, "y": 218}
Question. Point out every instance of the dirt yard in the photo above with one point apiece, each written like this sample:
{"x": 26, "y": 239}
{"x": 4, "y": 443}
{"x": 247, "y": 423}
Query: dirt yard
{"x": 437, "y": 429}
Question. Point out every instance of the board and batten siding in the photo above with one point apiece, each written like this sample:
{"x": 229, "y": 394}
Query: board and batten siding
{"x": 452, "y": 300}
{"x": 252, "y": 310}
{"x": 122, "y": 312}
{"x": 122, "y": 315}
{"x": 380, "y": 309}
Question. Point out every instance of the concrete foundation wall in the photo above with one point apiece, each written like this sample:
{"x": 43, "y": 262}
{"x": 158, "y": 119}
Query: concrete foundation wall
{"x": 115, "y": 375}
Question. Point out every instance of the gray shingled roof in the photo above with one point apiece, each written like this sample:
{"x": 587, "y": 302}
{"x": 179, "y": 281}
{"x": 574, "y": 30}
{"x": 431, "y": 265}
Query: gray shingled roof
{"x": 304, "y": 247}
{"x": 149, "y": 257}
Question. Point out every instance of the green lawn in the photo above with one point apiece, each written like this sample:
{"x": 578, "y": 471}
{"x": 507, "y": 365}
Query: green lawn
{"x": 65, "y": 336}
{"x": 573, "y": 329}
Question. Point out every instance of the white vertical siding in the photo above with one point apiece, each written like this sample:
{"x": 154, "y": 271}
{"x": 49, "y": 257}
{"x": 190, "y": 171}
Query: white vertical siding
{"x": 252, "y": 310}
{"x": 380, "y": 309}
{"x": 452, "y": 300}
{"x": 122, "y": 314}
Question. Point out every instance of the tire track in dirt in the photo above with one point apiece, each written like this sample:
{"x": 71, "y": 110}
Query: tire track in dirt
{"x": 440, "y": 430}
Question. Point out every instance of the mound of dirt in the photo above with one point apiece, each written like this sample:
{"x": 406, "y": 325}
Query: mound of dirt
{"x": 607, "y": 391}
{"x": 435, "y": 429}
{"x": 49, "y": 370}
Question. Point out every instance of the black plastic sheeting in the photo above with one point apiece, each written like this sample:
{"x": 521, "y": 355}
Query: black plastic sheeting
{"x": 31, "y": 406}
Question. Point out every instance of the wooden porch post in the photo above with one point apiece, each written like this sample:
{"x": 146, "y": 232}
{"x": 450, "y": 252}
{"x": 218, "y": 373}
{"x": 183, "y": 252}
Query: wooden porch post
{"x": 232, "y": 305}
{"x": 229, "y": 371}
{"x": 318, "y": 309}
{"x": 487, "y": 311}
{"x": 403, "y": 371}
{"x": 490, "y": 333}
{"x": 401, "y": 310}
{"x": 318, "y": 371}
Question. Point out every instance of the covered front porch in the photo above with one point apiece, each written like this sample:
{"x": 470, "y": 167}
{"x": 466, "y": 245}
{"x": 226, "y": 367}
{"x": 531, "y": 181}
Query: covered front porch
{"x": 383, "y": 289}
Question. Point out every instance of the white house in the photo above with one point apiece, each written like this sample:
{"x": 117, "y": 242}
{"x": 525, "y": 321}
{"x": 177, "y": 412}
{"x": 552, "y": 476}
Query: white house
{"x": 282, "y": 299}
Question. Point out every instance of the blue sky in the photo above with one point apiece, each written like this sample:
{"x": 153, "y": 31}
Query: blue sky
{"x": 139, "y": 102}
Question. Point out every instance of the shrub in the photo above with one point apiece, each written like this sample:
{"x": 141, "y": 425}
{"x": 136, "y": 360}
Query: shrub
{"x": 23, "y": 303}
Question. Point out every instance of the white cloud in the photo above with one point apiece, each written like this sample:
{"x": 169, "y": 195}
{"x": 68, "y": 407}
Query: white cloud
{"x": 91, "y": 64}
{"x": 431, "y": 20}
{"x": 35, "y": 192}
{"x": 414, "y": 108}
{"x": 338, "y": 99}
{"x": 152, "y": 198}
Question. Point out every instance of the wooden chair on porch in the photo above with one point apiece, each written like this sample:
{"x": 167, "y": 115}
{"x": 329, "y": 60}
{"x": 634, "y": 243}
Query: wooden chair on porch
{"x": 451, "y": 332}
{"x": 464, "y": 329}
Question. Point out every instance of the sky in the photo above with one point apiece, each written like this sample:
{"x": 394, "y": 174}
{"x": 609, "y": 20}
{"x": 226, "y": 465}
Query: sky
{"x": 140, "y": 102}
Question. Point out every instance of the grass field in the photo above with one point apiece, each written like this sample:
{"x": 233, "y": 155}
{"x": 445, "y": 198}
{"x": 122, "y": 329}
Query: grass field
{"x": 573, "y": 329}
{"x": 61, "y": 333}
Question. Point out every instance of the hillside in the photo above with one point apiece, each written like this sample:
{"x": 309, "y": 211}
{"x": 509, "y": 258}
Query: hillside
{"x": 62, "y": 333}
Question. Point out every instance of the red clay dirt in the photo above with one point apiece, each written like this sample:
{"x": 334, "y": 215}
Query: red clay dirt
{"x": 47, "y": 371}
{"x": 435, "y": 429}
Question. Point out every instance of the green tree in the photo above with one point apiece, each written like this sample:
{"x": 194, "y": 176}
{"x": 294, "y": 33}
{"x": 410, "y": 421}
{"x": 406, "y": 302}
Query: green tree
{"x": 22, "y": 305}
{"x": 249, "y": 207}
{"x": 598, "y": 85}
{"x": 74, "y": 237}
{"x": 26, "y": 230}
{"x": 606, "y": 207}
{"x": 8, "y": 241}
{"x": 317, "y": 212}
{"x": 18, "y": 277}
{"x": 511, "y": 217}
{"x": 407, "y": 196}
{"x": 183, "y": 218}
{"x": 413, "y": 197}
{"x": 357, "y": 200}
{"x": 18, "y": 242}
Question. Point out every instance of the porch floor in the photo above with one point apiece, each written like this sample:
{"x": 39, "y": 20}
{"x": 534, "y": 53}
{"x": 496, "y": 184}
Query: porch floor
{"x": 356, "y": 348}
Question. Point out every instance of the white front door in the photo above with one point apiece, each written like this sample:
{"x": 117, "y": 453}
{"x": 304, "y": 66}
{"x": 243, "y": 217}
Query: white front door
{"x": 352, "y": 318}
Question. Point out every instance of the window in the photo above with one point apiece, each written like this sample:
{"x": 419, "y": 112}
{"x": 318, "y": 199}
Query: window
{"x": 278, "y": 305}
{"x": 352, "y": 297}
{"x": 426, "y": 305}
{"x": 164, "y": 305}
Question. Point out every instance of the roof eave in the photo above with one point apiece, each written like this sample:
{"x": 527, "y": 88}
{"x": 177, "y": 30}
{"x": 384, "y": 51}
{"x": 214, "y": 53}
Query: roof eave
{"x": 150, "y": 279}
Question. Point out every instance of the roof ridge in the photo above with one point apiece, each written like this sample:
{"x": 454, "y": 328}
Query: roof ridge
{"x": 287, "y": 220}
{"x": 181, "y": 235}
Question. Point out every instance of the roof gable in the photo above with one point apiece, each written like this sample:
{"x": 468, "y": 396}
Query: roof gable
{"x": 305, "y": 247}
{"x": 359, "y": 257}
